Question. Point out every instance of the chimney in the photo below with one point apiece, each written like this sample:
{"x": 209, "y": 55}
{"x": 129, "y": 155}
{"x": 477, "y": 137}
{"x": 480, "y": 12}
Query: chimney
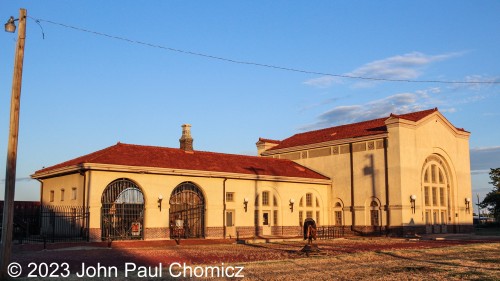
{"x": 186, "y": 141}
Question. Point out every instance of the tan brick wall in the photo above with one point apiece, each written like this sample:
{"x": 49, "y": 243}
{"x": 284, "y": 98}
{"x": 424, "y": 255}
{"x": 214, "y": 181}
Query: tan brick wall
{"x": 214, "y": 232}
{"x": 94, "y": 234}
{"x": 157, "y": 233}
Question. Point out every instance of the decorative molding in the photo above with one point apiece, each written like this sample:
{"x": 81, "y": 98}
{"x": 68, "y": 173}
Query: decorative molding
{"x": 170, "y": 171}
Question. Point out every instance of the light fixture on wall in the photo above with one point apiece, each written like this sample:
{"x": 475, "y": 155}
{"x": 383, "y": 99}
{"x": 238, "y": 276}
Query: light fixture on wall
{"x": 413, "y": 197}
{"x": 291, "y": 204}
{"x": 160, "y": 198}
{"x": 467, "y": 205}
{"x": 245, "y": 203}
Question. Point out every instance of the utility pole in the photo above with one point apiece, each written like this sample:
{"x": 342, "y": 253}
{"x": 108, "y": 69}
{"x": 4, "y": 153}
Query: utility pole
{"x": 478, "y": 210}
{"x": 10, "y": 178}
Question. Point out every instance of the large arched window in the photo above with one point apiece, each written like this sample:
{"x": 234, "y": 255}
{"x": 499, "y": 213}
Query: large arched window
{"x": 187, "y": 211}
{"x": 122, "y": 211}
{"x": 436, "y": 191}
{"x": 309, "y": 207}
{"x": 266, "y": 208}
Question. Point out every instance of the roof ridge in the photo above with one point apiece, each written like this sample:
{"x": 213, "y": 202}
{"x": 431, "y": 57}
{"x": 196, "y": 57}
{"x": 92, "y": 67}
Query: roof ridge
{"x": 206, "y": 152}
{"x": 343, "y": 125}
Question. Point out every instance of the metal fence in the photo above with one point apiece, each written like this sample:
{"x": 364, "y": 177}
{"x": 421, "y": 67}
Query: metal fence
{"x": 49, "y": 224}
{"x": 329, "y": 232}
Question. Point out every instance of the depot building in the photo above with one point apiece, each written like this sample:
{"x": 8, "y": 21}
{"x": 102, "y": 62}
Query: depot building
{"x": 393, "y": 175}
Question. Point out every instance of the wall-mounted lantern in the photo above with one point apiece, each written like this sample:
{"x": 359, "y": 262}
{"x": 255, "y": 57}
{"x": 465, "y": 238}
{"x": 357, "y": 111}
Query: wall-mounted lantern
{"x": 291, "y": 204}
{"x": 467, "y": 205}
{"x": 160, "y": 198}
{"x": 245, "y": 203}
{"x": 413, "y": 198}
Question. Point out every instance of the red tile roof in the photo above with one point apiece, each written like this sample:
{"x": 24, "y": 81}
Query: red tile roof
{"x": 164, "y": 157}
{"x": 355, "y": 130}
{"x": 269, "y": 140}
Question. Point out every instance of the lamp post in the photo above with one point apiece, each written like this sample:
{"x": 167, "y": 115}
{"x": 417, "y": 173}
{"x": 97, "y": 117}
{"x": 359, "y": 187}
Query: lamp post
{"x": 10, "y": 177}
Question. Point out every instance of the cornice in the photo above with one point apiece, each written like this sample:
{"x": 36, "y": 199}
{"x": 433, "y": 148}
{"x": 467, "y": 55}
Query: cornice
{"x": 170, "y": 171}
{"x": 323, "y": 144}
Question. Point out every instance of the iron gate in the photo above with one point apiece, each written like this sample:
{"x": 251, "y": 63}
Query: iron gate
{"x": 122, "y": 211}
{"x": 187, "y": 212}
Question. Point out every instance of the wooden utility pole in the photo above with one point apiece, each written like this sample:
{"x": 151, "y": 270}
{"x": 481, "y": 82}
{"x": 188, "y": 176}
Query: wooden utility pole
{"x": 10, "y": 178}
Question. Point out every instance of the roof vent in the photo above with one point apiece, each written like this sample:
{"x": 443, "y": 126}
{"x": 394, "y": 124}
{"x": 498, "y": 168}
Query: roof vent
{"x": 186, "y": 141}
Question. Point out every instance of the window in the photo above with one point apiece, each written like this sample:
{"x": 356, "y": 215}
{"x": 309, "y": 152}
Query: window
{"x": 309, "y": 214}
{"x": 62, "y": 194}
{"x": 229, "y": 218}
{"x": 275, "y": 217}
{"x": 441, "y": 196}
{"x": 51, "y": 196}
{"x": 309, "y": 200}
{"x": 436, "y": 190}
{"x": 301, "y": 203}
{"x": 338, "y": 217}
{"x": 317, "y": 217}
{"x": 230, "y": 196}
{"x": 427, "y": 201}
{"x": 374, "y": 217}
{"x": 265, "y": 198}
{"x": 73, "y": 193}
{"x": 433, "y": 173}
{"x": 275, "y": 201}
{"x": 301, "y": 217}
{"x": 434, "y": 196}
{"x": 317, "y": 202}
{"x": 265, "y": 218}
{"x": 257, "y": 200}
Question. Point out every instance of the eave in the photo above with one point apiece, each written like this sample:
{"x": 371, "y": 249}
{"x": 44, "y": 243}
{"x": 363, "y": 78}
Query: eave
{"x": 169, "y": 171}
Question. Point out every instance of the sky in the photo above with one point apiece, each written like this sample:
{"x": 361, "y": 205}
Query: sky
{"x": 143, "y": 68}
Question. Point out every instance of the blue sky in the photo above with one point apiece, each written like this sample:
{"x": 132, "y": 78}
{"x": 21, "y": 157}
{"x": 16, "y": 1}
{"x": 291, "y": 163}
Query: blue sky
{"x": 83, "y": 92}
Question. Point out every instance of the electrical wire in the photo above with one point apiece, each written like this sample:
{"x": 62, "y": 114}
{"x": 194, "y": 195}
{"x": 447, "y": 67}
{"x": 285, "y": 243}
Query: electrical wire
{"x": 261, "y": 64}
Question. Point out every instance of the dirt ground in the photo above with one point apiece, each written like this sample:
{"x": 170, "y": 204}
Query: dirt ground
{"x": 341, "y": 259}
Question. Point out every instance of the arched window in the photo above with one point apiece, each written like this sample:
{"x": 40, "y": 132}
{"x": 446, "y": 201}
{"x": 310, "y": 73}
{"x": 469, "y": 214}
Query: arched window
{"x": 187, "y": 211}
{"x": 309, "y": 209}
{"x": 122, "y": 211}
{"x": 266, "y": 213}
{"x": 338, "y": 214}
{"x": 374, "y": 213}
{"x": 435, "y": 184}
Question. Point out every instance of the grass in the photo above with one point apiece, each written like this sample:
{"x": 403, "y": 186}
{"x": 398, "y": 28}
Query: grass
{"x": 377, "y": 259}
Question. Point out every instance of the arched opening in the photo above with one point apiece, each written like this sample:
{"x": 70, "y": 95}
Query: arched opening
{"x": 122, "y": 211}
{"x": 187, "y": 212}
{"x": 338, "y": 214}
{"x": 436, "y": 195}
{"x": 309, "y": 205}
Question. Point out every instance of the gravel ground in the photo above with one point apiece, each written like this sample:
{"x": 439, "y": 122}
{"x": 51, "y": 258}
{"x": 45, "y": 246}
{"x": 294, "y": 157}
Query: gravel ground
{"x": 342, "y": 259}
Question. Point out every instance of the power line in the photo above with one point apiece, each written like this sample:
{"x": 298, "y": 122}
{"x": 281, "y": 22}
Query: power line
{"x": 260, "y": 64}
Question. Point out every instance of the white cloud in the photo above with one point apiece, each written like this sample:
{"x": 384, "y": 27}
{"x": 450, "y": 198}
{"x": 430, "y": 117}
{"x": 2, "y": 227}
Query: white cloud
{"x": 398, "y": 104}
{"x": 400, "y": 67}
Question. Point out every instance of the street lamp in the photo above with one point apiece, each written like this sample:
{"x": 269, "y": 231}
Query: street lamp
{"x": 10, "y": 26}
{"x": 10, "y": 177}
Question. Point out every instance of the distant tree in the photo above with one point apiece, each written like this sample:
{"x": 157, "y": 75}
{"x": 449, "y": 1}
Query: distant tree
{"x": 492, "y": 199}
